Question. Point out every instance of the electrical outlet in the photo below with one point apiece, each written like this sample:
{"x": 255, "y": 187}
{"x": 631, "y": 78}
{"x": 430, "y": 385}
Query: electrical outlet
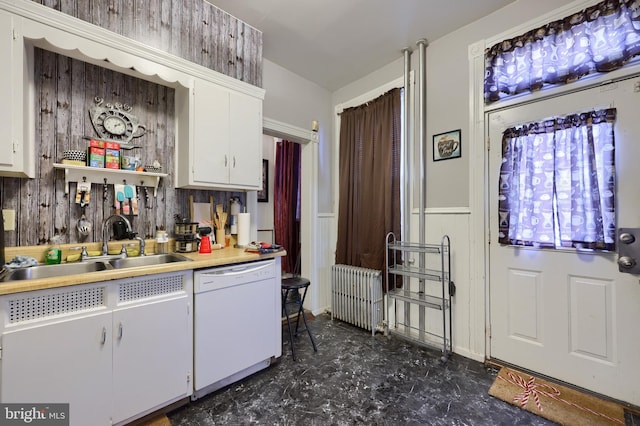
{"x": 9, "y": 217}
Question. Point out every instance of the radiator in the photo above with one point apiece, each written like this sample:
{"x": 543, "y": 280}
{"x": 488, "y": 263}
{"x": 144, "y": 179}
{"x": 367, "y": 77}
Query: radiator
{"x": 356, "y": 296}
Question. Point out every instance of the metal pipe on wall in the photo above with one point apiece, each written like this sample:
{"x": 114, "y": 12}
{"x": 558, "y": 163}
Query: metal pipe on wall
{"x": 422, "y": 139}
{"x": 406, "y": 146}
{"x": 406, "y": 201}
{"x": 422, "y": 130}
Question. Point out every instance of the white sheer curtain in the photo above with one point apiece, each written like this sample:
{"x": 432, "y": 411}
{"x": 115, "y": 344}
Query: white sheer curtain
{"x": 557, "y": 183}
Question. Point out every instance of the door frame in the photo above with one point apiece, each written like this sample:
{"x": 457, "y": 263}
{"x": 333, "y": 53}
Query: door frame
{"x": 308, "y": 139}
{"x": 479, "y": 198}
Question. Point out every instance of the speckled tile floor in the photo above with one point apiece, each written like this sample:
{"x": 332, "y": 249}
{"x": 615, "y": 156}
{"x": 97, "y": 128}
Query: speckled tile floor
{"x": 355, "y": 379}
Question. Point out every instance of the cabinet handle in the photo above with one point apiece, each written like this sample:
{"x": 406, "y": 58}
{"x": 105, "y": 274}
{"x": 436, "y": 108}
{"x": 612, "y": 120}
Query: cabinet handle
{"x": 120, "y": 331}
{"x": 103, "y": 338}
{"x": 225, "y": 161}
{"x": 234, "y": 161}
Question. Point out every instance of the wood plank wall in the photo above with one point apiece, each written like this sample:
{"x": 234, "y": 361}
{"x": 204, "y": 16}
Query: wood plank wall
{"x": 65, "y": 88}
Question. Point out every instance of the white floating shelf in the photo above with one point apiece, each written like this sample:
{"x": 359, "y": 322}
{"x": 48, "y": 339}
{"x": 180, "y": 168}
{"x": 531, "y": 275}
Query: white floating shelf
{"x": 109, "y": 176}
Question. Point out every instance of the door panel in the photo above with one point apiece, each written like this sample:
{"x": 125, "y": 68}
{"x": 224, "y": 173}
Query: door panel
{"x": 524, "y": 294}
{"x": 563, "y": 313}
{"x": 591, "y": 318}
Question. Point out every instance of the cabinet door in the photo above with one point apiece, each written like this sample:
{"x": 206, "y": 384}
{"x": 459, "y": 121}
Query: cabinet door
{"x": 63, "y": 362}
{"x": 151, "y": 356}
{"x": 210, "y": 154}
{"x": 14, "y": 151}
{"x": 245, "y": 150}
{"x": 6, "y": 91}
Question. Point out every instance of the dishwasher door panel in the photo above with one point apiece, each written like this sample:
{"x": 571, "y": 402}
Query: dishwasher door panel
{"x": 227, "y": 276}
{"x": 233, "y": 329}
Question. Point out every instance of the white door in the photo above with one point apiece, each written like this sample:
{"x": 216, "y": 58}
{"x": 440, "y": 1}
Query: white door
{"x": 570, "y": 315}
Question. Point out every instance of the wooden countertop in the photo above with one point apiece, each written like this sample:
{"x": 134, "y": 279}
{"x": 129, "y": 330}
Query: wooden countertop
{"x": 225, "y": 256}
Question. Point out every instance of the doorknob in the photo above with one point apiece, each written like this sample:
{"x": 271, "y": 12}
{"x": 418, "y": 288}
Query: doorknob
{"x": 626, "y": 262}
{"x": 628, "y": 250}
{"x": 627, "y": 238}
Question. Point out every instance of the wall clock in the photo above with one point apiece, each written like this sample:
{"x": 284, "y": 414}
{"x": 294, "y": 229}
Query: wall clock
{"x": 115, "y": 122}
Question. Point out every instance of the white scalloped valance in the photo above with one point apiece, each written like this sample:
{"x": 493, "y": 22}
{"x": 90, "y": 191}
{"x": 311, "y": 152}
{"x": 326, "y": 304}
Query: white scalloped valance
{"x": 108, "y": 57}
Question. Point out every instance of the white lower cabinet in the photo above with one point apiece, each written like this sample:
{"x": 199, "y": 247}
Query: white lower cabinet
{"x": 151, "y": 356}
{"x": 65, "y": 361}
{"x": 114, "y": 351}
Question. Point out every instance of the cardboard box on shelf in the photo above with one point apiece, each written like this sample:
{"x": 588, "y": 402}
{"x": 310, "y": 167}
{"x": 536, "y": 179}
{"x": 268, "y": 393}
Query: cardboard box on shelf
{"x": 97, "y": 143}
{"x": 112, "y": 158}
{"x": 95, "y": 157}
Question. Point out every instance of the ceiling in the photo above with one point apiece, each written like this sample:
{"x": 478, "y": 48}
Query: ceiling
{"x": 335, "y": 42}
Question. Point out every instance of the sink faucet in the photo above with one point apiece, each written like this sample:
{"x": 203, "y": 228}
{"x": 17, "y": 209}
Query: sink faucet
{"x": 105, "y": 237}
{"x": 141, "y": 241}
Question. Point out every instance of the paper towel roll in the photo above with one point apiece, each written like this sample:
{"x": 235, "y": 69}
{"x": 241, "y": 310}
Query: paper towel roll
{"x": 244, "y": 226}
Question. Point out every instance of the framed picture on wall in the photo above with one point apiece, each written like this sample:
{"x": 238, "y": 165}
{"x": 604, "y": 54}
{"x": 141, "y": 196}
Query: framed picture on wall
{"x": 447, "y": 145}
{"x": 263, "y": 194}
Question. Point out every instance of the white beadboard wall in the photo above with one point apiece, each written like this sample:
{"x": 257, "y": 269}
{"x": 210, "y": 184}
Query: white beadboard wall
{"x": 468, "y": 303}
{"x": 326, "y": 249}
{"x": 455, "y": 222}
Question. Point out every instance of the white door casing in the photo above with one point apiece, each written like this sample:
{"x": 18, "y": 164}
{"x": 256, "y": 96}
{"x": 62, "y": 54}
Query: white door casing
{"x": 309, "y": 189}
{"x": 567, "y": 314}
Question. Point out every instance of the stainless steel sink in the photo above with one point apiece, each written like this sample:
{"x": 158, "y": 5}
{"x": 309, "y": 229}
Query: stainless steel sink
{"x": 50, "y": 271}
{"x": 150, "y": 260}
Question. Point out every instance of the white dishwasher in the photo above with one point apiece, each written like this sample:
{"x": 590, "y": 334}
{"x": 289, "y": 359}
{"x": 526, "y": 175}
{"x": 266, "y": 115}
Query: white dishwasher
{"x": 237, "y": 322}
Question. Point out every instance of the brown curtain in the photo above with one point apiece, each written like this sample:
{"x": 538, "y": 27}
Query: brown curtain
{"x": 369, "y": 181}
{"x": 286, "y": 202}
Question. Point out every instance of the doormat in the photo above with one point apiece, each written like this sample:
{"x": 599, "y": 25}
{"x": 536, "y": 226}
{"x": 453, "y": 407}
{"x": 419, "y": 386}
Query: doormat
{"x": 554, "y": 402}
{"x": 161, "y": 420}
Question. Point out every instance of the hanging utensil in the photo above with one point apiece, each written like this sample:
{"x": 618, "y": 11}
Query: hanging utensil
{"x": 105, "y": 188}
{"x": 82, "y": 199}
{"x": 83, "y": 226}
{"x": 138, "y": 192}
{"x": 128, "y": 192}
{"x": 120, "y": 198}
{"x": 147, "y": 199}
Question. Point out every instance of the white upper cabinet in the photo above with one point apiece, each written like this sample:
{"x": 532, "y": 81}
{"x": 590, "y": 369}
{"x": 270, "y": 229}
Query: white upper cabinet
{"x": 221, "y": 147}
{"x": 16, "y": 141}
{"x": 245, "y": 147}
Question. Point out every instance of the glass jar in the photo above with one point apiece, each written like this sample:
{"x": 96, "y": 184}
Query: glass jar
{"x": 162, "y": 242}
